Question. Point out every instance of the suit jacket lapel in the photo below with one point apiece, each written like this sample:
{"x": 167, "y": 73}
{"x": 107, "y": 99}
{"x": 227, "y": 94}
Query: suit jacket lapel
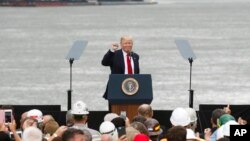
{"x": 122, "y": 61}
{"x": 135, "y": 64}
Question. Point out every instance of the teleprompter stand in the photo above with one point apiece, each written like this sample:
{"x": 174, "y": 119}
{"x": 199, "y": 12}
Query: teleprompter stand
{"x": 74, "y": 54}
{"x": 188, "y": 54}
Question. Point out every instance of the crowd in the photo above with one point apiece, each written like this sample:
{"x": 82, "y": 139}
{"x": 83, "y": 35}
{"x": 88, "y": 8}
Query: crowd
{"x": 34, "y": 126}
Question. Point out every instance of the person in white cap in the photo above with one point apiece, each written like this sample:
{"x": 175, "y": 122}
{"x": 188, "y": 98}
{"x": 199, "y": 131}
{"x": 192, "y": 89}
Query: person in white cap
{"x": 222, "y": 121}
{"x": 108, "y": 127}
{"x": 180, "y": 117}
{"x": 226, "y": 128}
{"x": 80, "y": 115}
{"x": 36, "y": 114}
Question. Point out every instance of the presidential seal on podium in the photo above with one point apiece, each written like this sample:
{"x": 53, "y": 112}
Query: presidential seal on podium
{"x": 130, "y": 86}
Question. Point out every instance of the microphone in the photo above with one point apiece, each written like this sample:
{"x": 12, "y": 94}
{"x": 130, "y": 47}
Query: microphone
{"x": 131, "y": 54}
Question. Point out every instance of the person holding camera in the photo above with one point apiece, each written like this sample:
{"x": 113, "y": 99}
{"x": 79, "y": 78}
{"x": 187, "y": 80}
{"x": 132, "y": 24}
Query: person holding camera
{"x": 8, "y": 131}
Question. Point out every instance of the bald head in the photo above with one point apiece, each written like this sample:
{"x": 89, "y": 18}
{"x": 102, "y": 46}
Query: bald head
{"x": 145, "y": 110}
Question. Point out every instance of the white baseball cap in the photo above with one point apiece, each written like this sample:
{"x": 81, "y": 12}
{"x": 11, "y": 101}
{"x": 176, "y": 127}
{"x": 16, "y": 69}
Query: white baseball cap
{"x": 192, "y": 114}
{"x": 80, "y": 108}
{"x": 108, "y": 127}
{"x": 36, "y": 114}
{"x": 180, "y": 117}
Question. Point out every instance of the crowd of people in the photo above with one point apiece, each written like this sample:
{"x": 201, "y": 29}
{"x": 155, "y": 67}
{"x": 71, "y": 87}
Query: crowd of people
{"x": 34, "y": 126}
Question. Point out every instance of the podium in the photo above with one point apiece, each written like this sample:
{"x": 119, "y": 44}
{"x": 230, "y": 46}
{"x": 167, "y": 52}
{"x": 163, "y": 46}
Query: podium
{"x": 128, "y": 92}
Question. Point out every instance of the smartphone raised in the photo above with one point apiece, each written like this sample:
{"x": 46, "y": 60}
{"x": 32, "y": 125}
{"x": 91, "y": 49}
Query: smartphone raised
{"x": 7, "y": 115}
{"x": 121, "y": 131}
{"x": 123, "y": 115}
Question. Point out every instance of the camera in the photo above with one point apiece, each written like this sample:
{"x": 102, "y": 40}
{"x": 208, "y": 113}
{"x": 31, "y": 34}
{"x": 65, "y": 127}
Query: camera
{"x": 121, "y": 131}
{"x": 7, "y": 116}
{"x": 123, "y": 115}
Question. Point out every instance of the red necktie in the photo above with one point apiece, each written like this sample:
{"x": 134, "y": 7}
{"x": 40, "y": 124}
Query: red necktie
{"x": 129, "y": 64}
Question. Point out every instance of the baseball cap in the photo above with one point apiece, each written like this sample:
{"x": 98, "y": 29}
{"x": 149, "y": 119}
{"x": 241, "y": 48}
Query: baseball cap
{"x": 80, "y": 108}
{"x": 180, "y": 117}
{"x": 141, "y": 137}
{"x": 225, "y": 118}
{"x": 153, "y": 127}
{"x": 108, "y": 127}
{"x": 192, "y": 114}
{"x": 36, "y": 114}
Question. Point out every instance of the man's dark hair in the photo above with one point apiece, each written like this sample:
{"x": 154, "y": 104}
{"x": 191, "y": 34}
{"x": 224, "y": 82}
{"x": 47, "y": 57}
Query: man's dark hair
{"x": 216, "y": 114}
{"x": 140, "y": 127}
{"x": 87, "y": 134}
{"x": 55, "y": 139}
{"x": 4, "y": 136}
{"x": 154, "y": 138}
{"x": 70, "y": 133}
{"x": 79, "y": 117}
{"x": 118, "y": 122}
{"x": 246, "y": 116}
{"x": 176, "y": 133}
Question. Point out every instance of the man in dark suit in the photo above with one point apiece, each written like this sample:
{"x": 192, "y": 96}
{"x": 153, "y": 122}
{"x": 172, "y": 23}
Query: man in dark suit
{"x": 122, "y": 61}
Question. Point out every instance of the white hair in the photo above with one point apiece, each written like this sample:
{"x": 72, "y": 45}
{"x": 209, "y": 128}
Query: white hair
{"x": 32, "y": 134}
{"x": 126, "y": 37}
{"x": 110, "y": 116}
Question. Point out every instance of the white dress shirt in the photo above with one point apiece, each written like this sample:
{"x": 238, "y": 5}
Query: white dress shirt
{"x": 125, "y": 62}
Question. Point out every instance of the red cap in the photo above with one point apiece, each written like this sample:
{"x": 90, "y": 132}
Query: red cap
{"x": 141, "y": 137}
